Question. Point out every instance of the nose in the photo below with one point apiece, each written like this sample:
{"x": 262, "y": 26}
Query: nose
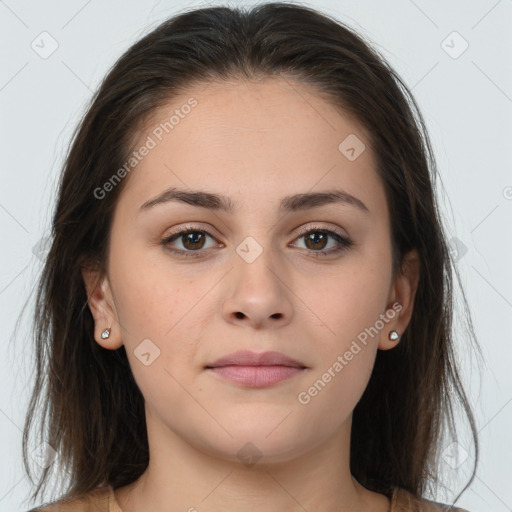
{"x": 259, "y": 294}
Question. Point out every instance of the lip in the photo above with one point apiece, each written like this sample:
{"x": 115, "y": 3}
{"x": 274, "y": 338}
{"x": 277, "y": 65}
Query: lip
{"x": 256, "y": 370}
{"x": 249, "y": 358}
{"x": 256, "y": 376}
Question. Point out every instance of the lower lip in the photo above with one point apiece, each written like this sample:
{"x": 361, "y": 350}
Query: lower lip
{"x": 256, "y": 376}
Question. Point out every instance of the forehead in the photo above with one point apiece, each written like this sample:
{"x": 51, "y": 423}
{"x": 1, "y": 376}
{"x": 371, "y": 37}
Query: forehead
{"x": 255, "y": 139}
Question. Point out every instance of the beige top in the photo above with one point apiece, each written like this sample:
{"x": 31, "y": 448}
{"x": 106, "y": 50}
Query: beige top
{"x": 103, "y": 500}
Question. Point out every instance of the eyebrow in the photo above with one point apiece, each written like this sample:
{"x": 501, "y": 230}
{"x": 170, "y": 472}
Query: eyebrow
{"x": 218, "y": 202}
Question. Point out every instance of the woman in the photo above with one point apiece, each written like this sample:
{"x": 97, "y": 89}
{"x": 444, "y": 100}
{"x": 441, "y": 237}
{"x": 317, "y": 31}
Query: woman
{"x": 247, "y": 303}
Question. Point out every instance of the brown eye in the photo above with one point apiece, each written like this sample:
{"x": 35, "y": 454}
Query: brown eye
{"x": 316, "y": 240}
{"x": 191, "y": 240}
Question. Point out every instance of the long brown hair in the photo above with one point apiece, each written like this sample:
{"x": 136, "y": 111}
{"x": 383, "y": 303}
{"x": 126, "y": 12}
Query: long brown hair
{"x": 92, "y": 410}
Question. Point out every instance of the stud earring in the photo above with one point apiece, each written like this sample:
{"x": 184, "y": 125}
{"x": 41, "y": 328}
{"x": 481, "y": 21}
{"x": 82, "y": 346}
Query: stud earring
{"x": 393, "y": 336}
{"x": 105, "y": 334}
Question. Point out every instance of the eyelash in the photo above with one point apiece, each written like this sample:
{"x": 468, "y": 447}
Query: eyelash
{"x": 344, "y": 242}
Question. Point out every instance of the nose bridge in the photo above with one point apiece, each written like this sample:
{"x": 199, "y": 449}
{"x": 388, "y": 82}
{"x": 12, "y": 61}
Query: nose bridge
{"x": 257, "y": 291}
{"x": 256, "y": 259}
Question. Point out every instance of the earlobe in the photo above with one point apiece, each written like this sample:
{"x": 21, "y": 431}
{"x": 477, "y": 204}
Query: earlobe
{"x": 403, "y": 292}
{"x": 99, "y": 297}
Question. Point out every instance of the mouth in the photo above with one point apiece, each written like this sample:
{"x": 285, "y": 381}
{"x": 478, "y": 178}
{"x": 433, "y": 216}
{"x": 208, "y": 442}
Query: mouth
{"x": 249, "y": 358}
{"x": 256, "y": 370}
{"x": 256, "y": 376}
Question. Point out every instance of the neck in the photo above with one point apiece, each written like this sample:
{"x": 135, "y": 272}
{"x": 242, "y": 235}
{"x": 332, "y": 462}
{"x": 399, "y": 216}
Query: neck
{"x": 183, "y": 477}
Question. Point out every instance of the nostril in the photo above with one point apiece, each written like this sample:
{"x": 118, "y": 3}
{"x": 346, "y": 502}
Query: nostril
{"x": 239, "y": 314}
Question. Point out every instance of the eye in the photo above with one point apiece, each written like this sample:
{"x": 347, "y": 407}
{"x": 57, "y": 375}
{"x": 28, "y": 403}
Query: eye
{"x": 192, "y": 240}
{"x": 316, "y": 239}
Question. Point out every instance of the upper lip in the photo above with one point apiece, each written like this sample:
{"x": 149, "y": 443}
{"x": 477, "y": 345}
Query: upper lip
{"x": 248, "y": 358}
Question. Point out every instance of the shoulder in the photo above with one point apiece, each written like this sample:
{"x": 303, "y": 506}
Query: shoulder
{"x": 404, "y": 501}
{"x": 94, "y": 501}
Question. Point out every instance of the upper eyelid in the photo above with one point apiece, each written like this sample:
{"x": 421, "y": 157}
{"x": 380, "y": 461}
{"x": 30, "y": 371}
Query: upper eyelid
{"x": 301, "y": 230}
{"x": 305, "y": 229}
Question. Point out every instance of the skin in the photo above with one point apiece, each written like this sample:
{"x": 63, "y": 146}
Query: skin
{"x": 255, "y": 142}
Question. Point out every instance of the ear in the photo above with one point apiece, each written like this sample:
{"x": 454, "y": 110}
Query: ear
{"x": 403, "y": 291}
{"x": 101, "y": 304}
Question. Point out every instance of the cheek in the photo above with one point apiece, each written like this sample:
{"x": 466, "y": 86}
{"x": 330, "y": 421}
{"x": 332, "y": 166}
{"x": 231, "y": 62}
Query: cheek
{"x": 159, "y": 321}
{"x": 345, "y": 353}
{"x": 336, "y": 389}
{"x": 138, "y": 307}
{"x": 347, "y": 301}
{"x": 347, "y": 307}
{"x": 147, "y": 291}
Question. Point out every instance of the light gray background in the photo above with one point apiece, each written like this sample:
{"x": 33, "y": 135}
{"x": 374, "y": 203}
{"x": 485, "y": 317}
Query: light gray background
{"x": 467, "y": 103}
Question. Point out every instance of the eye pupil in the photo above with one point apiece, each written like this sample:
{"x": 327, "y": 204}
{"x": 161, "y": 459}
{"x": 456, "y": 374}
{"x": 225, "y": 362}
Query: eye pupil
{"x": 192, "y": 238}
{"x": 313, "y": 237}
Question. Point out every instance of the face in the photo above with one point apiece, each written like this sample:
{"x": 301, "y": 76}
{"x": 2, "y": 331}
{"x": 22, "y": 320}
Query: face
{"x": 191, "y": 282}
